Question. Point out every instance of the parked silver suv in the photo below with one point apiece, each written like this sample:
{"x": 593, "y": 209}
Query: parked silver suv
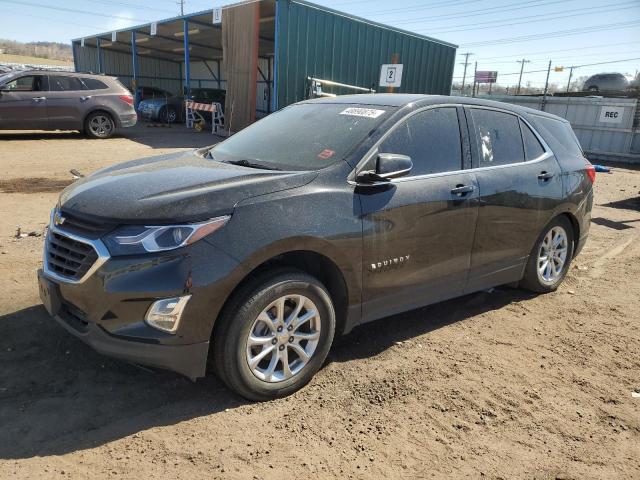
{"x": 45, "y": 100}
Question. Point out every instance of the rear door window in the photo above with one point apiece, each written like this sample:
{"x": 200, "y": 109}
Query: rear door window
{"x": 532, "y": 146}
{"x": 498, "y": 138}
{"x": 61, "y": 83}
{"x": 431, "y": 138}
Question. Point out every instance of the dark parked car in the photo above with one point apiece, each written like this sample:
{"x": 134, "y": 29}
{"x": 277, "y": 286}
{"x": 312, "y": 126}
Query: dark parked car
{"x": 606, "y": 82}
{"x": 252, "y": 254}
{"x": 41, "y": 100}
{"x": 171, "y": 109}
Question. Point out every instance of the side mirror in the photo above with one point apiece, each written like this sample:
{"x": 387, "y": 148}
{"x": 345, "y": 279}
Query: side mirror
{"x": 388, "y": 166}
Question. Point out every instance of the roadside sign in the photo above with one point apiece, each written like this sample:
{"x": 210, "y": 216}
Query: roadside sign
{"x": 154, "y": 28}
{"x": 217, "y": 15}
{"x": 558, "y": 69}
{"x": 611, "y": 114}
{"x": 391, "y": 75}
{"x": 486, "y": 76}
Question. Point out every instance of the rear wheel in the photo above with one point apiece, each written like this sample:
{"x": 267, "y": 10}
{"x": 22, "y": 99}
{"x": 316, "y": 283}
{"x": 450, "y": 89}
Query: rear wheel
{"x": 274, "y": 336}
{"x": 168, "y": 115}
{"x": 550, "y": 258}
{"x": 99, "y": 125}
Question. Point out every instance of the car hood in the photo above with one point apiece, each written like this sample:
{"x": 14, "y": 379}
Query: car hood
{"x": 182, "y": 187}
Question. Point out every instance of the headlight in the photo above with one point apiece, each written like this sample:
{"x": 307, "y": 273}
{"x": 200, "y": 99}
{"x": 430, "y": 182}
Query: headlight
{"x": 136, "y": 239}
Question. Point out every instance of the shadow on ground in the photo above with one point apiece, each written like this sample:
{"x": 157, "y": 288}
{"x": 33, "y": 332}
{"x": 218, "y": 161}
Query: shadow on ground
{"x": 59, "y": 396}
{"x": 175, "y": 136}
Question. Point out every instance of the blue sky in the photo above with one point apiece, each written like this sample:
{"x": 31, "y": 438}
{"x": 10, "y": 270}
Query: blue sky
{"x": 605, "y": 29}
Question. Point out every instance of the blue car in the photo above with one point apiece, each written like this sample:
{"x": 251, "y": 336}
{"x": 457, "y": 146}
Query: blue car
{"x": 171, "y": 109}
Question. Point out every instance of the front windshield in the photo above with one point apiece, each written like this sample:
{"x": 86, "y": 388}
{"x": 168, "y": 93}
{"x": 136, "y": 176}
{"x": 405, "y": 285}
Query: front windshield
{"x": 306, "y": 136}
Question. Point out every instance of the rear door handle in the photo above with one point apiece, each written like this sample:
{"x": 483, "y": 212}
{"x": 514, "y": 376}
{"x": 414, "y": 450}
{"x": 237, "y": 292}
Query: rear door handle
{"x": 39, "y": 99}
{"x": 462, "y": 189}
{"x": 545, "y": 175}
{"x": 85, "y": 98}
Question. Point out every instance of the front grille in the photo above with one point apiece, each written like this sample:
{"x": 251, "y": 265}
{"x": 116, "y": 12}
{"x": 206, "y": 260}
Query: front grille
{"x": 84, "y": 227}
{"x": 69, "y": 258}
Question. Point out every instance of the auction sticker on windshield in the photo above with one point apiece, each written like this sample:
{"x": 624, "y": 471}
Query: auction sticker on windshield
{"x": 362, "y": 112}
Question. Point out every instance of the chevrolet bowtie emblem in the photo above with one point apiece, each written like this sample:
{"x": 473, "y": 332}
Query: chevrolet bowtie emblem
{"x": 58, "y": 219}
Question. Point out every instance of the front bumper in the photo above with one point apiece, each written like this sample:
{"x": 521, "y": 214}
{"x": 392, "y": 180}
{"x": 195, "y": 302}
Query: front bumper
{"x": 107, "y": 306}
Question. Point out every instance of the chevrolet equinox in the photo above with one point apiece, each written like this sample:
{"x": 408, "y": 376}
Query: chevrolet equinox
{"x": 251, "y": 255}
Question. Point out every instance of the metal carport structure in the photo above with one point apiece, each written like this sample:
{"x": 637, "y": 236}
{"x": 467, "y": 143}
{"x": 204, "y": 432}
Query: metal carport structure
{"x": 296, "y": 40}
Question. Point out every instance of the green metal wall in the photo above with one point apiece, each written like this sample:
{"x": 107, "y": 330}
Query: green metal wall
{"x": 322, "y": 43}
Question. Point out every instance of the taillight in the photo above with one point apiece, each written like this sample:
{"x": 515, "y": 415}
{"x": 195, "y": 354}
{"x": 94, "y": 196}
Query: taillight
{"x": 126, "y": 99}
{"x": 591, "y": 172}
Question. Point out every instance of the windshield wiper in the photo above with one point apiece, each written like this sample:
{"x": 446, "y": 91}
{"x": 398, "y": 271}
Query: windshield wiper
{"x": 250, "y": 164}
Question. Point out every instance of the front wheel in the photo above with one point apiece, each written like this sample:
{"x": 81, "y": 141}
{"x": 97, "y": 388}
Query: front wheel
{"x": 99, "y": 125}
{"x": 550, "y": 258}
{"x": 274, "y": 336}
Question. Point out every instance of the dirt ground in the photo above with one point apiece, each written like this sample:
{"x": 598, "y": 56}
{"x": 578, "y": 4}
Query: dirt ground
{"x": 494, "y": 385}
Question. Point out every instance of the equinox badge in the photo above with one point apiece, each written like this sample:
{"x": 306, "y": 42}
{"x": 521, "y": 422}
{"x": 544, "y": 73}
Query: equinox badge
{"x": 391, "y": 262}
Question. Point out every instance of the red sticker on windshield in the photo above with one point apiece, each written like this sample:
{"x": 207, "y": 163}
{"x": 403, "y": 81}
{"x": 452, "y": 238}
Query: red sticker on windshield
{"x": 326, "y": 153}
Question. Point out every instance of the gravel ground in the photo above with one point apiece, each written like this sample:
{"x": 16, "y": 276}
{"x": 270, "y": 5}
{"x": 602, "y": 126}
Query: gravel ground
{"x": 492, "y": 385}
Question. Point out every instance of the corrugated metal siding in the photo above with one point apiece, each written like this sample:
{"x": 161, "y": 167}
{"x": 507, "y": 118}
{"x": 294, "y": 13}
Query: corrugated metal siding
{"x": 324, "y": 44}
{"x": 601, "y": 140}
{"x": 152, "y": 72}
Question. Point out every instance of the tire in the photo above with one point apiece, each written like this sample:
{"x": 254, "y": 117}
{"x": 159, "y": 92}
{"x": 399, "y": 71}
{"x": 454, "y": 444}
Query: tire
{"x": 546, "y": 277}
{"x": 99, "y": 125}
{"x": 265, "y": 378}
{"x": 168, "y": 115}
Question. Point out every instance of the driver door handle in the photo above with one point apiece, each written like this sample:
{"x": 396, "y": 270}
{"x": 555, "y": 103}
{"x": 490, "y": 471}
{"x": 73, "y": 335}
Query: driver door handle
{"x": 462, "y": 189}
{"x": 545, "y": 175}
{"x": 85, "y": 98}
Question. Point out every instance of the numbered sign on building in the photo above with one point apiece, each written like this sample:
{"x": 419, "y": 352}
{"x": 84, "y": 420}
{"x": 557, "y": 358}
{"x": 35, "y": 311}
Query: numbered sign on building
{"x": 391, "y": 75}
{"x": 114, "y": 36}
{"x": 217, "y": 16}
{"x": 154, "y": 28}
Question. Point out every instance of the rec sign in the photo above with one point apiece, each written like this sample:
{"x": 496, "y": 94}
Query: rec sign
{"x": 611, "y": 114}
{"x": 486, "y": 76}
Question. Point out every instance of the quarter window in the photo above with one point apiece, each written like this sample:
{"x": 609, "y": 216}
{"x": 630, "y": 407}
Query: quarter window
{"x": 93, "y": 84}
{"x": 498, "y": 137}
{"x": 65, "y": 84}
{"x": 532, "y": 146}
{"x": 431, "y": 138}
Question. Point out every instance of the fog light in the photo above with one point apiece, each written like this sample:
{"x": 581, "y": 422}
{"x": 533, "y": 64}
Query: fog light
{"x": 165, "y": 314}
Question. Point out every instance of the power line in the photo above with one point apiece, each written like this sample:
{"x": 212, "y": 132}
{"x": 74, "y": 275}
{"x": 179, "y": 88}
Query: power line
{"x": 530, "y": 19}
{"x": 555, "y": 34}
{"x": 73, "y": 10}
{"x": 562, "y": 50}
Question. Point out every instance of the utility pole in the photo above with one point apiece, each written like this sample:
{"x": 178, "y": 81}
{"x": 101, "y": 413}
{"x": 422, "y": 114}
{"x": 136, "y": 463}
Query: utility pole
{"x": 475, "y": 71}
{"x": 570, "y": 75}
{"x": 466, "y": 63}
{"x": 546, "y": 87}
{"x": 181, "y": 3}
{"x": 522, "y": 62}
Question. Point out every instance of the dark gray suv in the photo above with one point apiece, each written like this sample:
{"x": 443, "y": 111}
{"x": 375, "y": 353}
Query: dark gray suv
{"x": 249, "y": 256}
{"x": 42, "y": 100}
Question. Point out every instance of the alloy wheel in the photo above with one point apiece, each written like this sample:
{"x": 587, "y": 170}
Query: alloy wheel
{"x": 101, "y": 125}
{"x": 552, "y": 255}
{"x": 283, "y": 338}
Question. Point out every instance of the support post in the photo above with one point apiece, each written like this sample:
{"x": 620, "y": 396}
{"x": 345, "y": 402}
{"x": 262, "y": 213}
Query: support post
{"x": 395, "y": 58}
{"x": 546, "y": 88}
{"x": 134, "y": 57}
{"x": 187, "y": 61}
{"x": 569, "y": 81}
{"x": 99, "y": 48}
{"x": 475, "y": 71}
